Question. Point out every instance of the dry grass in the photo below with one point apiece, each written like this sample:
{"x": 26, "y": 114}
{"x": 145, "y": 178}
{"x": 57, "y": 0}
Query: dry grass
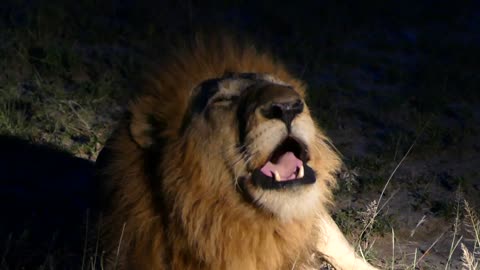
{"x": 466, "y": 218}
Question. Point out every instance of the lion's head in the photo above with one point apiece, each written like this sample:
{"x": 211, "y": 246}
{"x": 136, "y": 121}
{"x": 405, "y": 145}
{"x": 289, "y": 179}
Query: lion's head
{"x": 244, "y": 134}
{"x": 218, "y": 162}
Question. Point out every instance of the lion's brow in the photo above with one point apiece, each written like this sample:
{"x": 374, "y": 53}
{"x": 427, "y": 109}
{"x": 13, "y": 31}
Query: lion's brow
{"x": 206, "y": 90}
{"x": 202, "y": 94}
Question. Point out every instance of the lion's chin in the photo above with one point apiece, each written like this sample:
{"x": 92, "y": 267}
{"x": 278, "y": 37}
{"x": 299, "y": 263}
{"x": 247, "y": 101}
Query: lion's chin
{"x": 286, "y": 204}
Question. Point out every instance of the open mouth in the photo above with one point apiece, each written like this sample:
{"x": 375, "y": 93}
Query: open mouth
{"x": 286, "y": 167}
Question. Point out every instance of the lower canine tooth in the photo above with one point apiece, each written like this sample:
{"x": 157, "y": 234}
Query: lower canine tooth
{"x": 276, "y": 175}
{"x": 301, "y": 172}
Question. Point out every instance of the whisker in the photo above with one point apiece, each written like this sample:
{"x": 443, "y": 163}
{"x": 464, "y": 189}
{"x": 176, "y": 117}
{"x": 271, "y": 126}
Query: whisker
{"x": 247, "y": 160}
{"x": 241, "y": 156}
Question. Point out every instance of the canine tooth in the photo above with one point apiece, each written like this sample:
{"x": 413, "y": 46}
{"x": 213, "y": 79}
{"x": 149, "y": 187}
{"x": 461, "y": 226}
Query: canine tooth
{"x": 301, "y": 172}
{"x": 277, "y": 175}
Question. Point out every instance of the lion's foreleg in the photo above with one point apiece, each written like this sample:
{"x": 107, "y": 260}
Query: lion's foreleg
{"x": 335, "y": 248}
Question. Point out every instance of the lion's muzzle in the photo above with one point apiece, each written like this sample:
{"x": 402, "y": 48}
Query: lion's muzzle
{"x": 286, "y": 165}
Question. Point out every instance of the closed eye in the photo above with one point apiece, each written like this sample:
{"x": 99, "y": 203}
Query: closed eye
{"x": 224, "y": 100}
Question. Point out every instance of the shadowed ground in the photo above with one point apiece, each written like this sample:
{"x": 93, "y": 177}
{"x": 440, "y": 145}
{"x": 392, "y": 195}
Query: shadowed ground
{"x": 44, "y": 197}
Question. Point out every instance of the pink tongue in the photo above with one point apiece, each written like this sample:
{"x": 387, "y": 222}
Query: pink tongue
{"x": 286, "y": 166}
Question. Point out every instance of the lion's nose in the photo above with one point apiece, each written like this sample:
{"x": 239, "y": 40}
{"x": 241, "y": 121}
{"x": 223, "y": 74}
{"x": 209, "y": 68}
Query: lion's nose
{"x": 283, "y": 107}
{"x": 270, "y": 101}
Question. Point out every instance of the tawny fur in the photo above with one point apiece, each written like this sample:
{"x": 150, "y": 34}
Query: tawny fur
{"x": 170, "y": 198}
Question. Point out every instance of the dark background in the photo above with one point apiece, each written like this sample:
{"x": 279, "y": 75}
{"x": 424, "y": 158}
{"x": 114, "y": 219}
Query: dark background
{"x": 383, "y": 76}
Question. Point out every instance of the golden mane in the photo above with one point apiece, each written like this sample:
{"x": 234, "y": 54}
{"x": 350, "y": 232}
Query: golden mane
{"x": 166, "y": 206}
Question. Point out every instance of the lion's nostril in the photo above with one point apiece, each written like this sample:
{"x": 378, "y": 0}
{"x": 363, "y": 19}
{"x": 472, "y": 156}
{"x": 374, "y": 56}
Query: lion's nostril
{"x": 297, "y": 107}
{"x": 276, "y": 111}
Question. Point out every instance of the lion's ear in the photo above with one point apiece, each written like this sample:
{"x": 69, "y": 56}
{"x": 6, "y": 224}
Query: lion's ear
{"x": 142, "y": 122}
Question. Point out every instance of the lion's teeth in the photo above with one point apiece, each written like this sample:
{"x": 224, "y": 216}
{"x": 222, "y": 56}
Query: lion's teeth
{"x": 301, "y": 172}
{"x": 276, "y": 175}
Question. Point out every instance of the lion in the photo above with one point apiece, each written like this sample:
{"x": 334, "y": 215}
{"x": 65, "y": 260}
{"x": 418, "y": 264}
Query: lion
{"x": 219, "y": 165}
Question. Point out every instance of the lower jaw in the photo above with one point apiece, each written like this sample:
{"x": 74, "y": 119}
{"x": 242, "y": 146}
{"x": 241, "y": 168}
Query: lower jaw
{"x": 268, "y": 183}
{"x": 293, "y": 203}
{"x": 248, "y": 188}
